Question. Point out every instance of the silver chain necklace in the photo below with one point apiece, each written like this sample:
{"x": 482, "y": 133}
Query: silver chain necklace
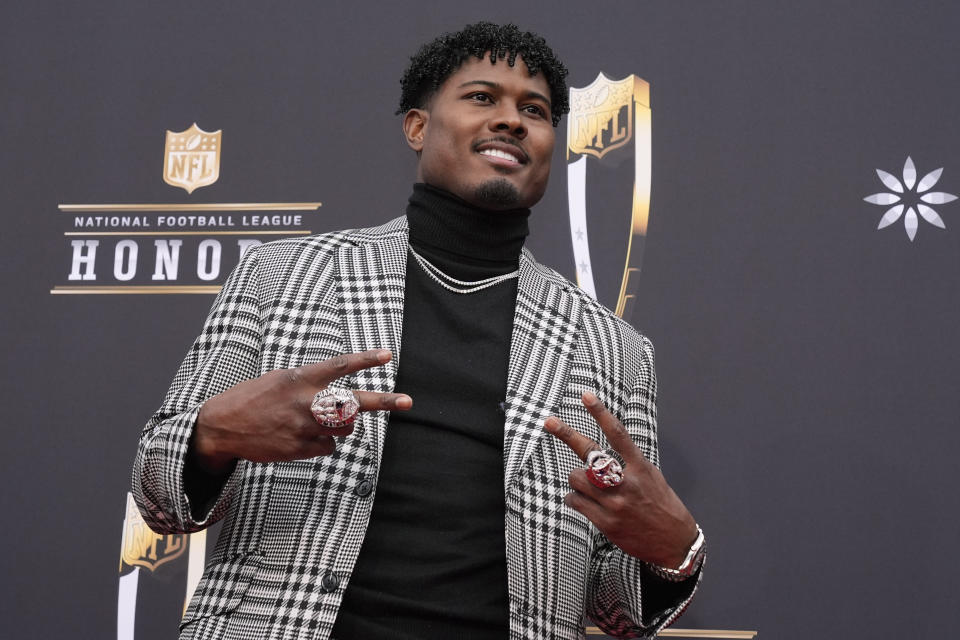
{"x": 448, "y": 282}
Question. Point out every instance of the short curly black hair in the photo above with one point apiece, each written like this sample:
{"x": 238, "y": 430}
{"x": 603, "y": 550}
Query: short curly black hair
{"x": 438, "y": 60}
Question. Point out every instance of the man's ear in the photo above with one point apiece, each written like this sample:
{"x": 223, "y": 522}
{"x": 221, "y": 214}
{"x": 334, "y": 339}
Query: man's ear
{"x": 414, "y": 126}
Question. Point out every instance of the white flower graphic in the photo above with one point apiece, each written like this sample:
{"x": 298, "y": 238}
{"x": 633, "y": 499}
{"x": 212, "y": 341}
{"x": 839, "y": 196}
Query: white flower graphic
{"x": 910, "y": 199}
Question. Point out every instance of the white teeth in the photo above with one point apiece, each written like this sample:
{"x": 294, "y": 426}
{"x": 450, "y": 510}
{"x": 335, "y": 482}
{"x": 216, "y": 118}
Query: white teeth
{"x": 496, "y": 153}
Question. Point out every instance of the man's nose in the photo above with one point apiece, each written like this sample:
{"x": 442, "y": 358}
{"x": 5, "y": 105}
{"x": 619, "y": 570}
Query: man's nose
{"x": 507, "y": 119}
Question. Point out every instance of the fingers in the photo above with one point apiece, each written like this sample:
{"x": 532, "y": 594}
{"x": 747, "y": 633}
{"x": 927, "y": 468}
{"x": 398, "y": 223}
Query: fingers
{"x": 323, "y": 431}
{"x": 579, "y": 482}
{"x": 369, "y": 401}
{"x": 578, "y": 443}
{"x": 321, "y": 445}
{"x": 319, "y": 374}
{"x": 593, "y": 511}
{"x": 617, "y": 434}
{"x": 374, "y": 401}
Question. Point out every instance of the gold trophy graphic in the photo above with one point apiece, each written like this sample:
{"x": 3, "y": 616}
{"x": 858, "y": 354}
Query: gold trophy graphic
{"x": 143, "y": 550}
{"x": 606, "y": 118}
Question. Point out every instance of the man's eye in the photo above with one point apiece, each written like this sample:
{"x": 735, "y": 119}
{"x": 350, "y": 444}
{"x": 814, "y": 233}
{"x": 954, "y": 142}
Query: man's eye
{"x": 536, "y": 110}
{"x": 480, "y": 97}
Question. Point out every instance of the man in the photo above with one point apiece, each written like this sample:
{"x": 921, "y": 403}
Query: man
{"x": 457, "y": 504}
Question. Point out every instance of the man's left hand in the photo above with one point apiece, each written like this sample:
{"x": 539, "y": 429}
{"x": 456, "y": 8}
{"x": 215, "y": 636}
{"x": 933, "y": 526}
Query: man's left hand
{"x": 642, "y": 515}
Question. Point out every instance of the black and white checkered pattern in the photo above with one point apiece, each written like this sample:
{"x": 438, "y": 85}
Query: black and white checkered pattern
{"x": 293, "y": 530}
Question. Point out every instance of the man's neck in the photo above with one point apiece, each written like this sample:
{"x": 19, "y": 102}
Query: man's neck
{"x": 441, "y": 222}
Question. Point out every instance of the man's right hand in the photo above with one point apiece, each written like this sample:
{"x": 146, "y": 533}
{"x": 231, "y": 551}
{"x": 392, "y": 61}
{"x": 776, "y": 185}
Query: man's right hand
{"x": 268, "y": 419}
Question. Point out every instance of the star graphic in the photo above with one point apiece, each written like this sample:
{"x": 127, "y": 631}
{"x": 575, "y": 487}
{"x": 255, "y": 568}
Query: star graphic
{"x": 911, "y": 199}
{"x": 579, "y": 234}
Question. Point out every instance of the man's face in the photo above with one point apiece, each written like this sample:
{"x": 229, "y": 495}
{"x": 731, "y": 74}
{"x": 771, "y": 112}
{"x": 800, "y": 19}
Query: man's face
{"x": 486, "y": 135}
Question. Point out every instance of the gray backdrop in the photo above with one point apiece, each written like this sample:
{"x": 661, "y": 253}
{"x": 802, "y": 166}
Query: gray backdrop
{"x": 807, "y": 360}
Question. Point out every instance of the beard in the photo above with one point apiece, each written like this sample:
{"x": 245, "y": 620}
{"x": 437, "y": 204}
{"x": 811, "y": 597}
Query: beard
{"x": 498, "y": 193}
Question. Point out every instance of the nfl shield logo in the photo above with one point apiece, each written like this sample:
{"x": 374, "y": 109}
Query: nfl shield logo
{"x": 602, "y": 114}
{"x": 141, "y": 547}
{"x": 192, "y": 158}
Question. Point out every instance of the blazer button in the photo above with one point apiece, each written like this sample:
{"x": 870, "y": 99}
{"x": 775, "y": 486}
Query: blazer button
{"x": 363, "y": 488}
{"x": 329, "y": 582}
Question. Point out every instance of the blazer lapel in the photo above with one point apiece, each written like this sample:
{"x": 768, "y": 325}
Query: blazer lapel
{"x": 371, "y": 282}
{"x": 544, "y": 336}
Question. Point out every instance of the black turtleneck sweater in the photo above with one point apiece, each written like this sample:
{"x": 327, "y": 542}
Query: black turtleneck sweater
{"x": 433, "y": 562}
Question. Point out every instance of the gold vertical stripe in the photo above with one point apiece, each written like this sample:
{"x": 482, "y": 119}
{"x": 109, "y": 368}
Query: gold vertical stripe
{"x": 733, "y": 634}
{"x": 200, "y": 206}
{"x": 252, "y": 232}
{"x": 136, "y": 289}
{"x": 640, "y": 211}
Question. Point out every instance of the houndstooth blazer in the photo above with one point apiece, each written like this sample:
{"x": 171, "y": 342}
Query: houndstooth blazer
{"x": 293, "y": 530}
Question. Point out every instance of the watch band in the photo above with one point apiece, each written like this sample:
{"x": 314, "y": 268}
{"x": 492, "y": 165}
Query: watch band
{"x": 690, "y": 565}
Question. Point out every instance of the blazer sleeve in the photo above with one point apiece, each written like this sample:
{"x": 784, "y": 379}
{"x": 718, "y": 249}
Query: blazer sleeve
{"x": 626, "y": 599}
{"x": 227, "y": 351}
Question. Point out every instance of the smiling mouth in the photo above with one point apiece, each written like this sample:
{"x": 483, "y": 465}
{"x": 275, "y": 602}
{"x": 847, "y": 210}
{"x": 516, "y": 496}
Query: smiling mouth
{"x": 503, "y": 155}
{"x": 502, "y": 150}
